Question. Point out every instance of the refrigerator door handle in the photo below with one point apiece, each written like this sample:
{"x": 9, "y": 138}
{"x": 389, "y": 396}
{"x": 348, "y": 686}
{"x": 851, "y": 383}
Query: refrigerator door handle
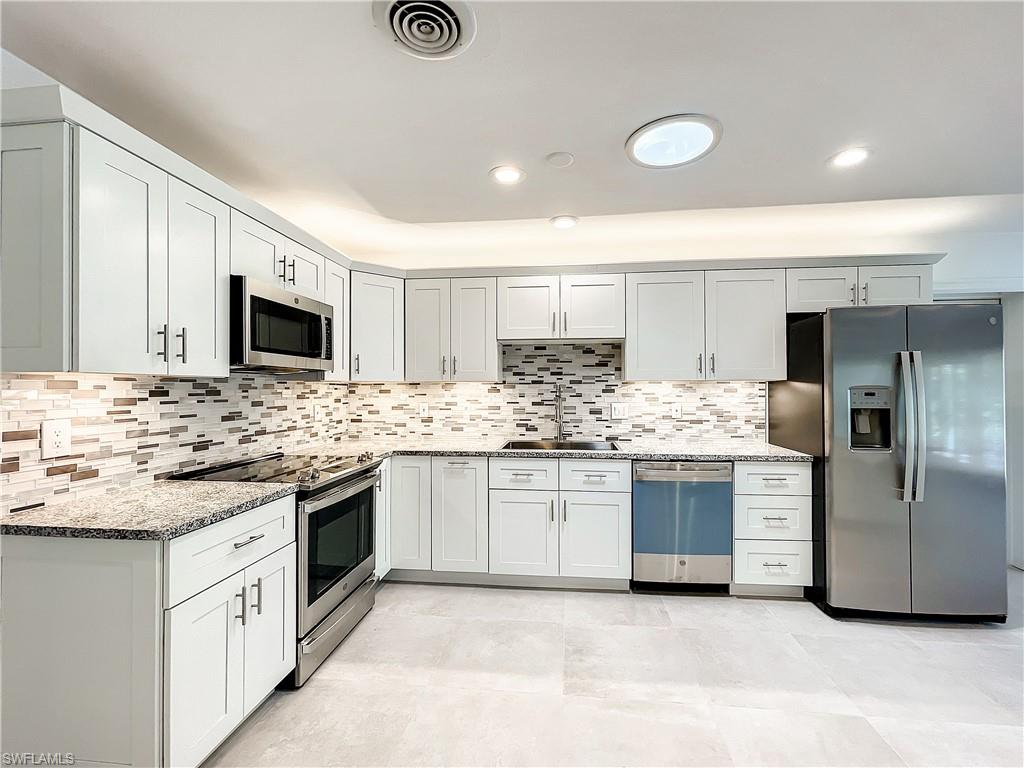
{"x": 909, "y": 409}
{"x": 922, "y": 434}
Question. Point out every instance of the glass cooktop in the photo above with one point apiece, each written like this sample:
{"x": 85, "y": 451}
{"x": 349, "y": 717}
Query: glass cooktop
{"x": 308, "y": 470}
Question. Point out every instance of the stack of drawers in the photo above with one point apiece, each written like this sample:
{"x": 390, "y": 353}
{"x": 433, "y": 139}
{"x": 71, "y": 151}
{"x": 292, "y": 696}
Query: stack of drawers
{"x": 772, "y": 523}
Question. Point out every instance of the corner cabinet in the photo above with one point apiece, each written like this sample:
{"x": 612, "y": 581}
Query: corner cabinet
{"x": 664, "y": 326}
{"x": 746, "y": 324}
{"x": 377, "y": 328}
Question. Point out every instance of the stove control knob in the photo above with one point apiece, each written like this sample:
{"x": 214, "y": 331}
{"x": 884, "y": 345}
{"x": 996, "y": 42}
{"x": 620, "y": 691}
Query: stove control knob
{"x": 367, "y": 456}
{"x": 309, "y": 475}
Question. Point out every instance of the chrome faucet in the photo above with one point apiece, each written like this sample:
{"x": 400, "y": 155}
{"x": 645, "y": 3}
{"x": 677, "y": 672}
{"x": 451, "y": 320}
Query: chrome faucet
{"x": 560, "y": 431}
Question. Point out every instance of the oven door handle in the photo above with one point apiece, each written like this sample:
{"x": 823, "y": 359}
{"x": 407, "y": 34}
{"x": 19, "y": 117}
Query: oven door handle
{"x": 340, "y": 494}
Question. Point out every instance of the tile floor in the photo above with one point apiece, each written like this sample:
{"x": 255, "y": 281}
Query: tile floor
{"x": 471, "y": 676}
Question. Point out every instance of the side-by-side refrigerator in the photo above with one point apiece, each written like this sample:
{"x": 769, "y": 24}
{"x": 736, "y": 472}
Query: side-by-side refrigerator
{"x": 902, "y": 408}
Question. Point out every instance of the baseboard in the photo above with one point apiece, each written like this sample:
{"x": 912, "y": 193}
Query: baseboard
{"x": 765, "y": 590}
{"x": 501, "y": 580}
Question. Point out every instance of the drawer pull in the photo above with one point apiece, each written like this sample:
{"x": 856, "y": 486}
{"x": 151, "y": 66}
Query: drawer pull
{"x": 596, "y": 475}
{"x": 774, "y": 565}
{"x": 775, "y": 478}
{"x": 250, "y": 540}
{"x": 522, "y": 474}
{"x": 457, "y": 463}
{"x": 780, "y": 519}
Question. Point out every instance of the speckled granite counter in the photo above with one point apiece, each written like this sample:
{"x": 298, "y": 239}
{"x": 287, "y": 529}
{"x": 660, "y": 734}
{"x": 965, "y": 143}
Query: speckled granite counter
{"x": 162, "y": 510}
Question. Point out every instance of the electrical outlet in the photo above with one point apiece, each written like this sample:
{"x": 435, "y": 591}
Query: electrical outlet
{"x": 55, "y": 438}
{"x": 316, "y": 412}
{"x": 677, "y": 410}
{"x": 424, "y": 410}
{"x": 620, "y": 410}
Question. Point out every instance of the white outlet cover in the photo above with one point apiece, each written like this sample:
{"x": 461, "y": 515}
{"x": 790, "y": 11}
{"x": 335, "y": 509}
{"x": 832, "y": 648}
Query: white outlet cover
{"x": 620, "y": 410}
{"x": 677, "y": 411}
{"x": 55, "y": 438}
{"x": 424, "y": 409}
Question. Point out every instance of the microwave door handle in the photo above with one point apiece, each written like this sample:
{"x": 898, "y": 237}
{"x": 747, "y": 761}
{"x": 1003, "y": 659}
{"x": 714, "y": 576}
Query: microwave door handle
{"x": 910, "y": 416}
{"x": 922, "y": 433}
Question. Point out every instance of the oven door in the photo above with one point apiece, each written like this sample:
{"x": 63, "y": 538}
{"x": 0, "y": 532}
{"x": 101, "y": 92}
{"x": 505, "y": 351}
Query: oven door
{"x": 335, "y": 548}
{"x": 278, "y": 330}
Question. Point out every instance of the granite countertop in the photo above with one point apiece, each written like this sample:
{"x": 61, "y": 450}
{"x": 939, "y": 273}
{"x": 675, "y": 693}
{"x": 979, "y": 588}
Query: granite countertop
{"x": 158, "y": 511}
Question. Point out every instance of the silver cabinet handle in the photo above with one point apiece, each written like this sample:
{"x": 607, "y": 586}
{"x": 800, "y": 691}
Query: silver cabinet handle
{"x": 780, "y": 519}
{"x": 284, "y": 269}
{"x": 865, "y": 299}
{"x": 922, "y": 424}
{"x": 553, "y": 321}
{"x": 522, "y": 474}
{"x": 853, "y": 293}
{"x": 163, "y": 332}
{"x": 552, "y": 510}
{"x": 357, "y": 363}
{"x": 565, "y": 321}
{"x": 700, "y": 362}
{"x": 711, "y": 361}
{"x": 455, "y": 364}
{"x": 250, "y": 540}
{"x": 244, "y": 615}
{"x": 258, "y": 605}
{"x": 565, "y": 511}
{"x": 292, "y": 278}
{"x": 184, "y": 345}
{"x": 458, "y": 463}
{"x": 444, "y": 365}
{"x": 774, "y": 565}
{"x": 910, "y": 409}
{"x": 595, "y": 475}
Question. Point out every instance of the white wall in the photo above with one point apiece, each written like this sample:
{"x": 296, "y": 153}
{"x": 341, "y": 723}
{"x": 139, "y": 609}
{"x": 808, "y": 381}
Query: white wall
{"x": 1013, "y": 339}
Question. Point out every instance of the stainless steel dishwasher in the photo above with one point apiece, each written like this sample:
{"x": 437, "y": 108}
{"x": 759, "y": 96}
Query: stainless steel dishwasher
{"x": 682, "y": 522}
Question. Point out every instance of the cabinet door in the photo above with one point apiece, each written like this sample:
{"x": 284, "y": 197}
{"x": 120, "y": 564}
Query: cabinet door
{"x": 257, "y": 251}
{"x": 815, "y": 289}
{"x": 304, "y": 270}
{"x": 593, "y": 306}
{"x": 121, "y": 264}
{"x": 459, "y": 514}
{"x": 378, "y": 327}
{"x": 664, "y": 326}
{"x": 204, "y": 663}
{"x": 911, "y": 284}
{"x": 746, "y": 324}
{"x": 410, "y": 512}
{"x": 595, "y": 534}
{"x": 428, "y": 341}
{"x": 271, "y": 625}
{"x": 523, "y": 533}
{"x": 382, "y": 521}
{"x": 474, "y": 329}
{"x": 528, "y": 307}
{"x": 336, "y": 292}
{"x": 198, "y": 238}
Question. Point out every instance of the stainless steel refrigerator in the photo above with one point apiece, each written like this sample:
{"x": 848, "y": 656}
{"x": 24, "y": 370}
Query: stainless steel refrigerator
{"x": 902, "y": 408}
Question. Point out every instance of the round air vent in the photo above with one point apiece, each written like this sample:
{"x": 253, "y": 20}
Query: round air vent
{"x": 426, "y": 29}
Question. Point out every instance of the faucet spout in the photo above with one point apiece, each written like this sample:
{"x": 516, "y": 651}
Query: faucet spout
{"x": 560, "y": 431}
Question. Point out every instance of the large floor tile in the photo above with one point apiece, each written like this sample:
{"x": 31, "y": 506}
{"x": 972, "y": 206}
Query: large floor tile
{"x": 803, "y": 618}
{"x": 604, "y": 609}
{"x": 645, "y": 663}
{"x": 707, "y": 612}
{"x": 926, "y": 744}
{"x": 783, "y": 738}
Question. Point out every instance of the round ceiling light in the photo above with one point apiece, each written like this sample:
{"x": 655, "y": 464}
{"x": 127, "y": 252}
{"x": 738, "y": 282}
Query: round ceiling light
{"x": 507, "y": 174}
{"x": 850, "y": 157}
{"x": 560, "y": 159}
{"x": 673, "y": 141}
{"x": 563, "y": 222}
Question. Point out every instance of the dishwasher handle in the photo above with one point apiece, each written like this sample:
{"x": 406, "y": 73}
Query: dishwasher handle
{"x": 687, "y": 472}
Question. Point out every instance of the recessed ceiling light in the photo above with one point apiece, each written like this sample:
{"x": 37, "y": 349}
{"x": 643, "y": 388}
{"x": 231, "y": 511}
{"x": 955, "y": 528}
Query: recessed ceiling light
{"x": 850, "y": 157}
{"x": 560, "y": 159}
{"x": 507, "y": 174}
{"x": 673, "y": 141}
{"x": 563, "y": 222}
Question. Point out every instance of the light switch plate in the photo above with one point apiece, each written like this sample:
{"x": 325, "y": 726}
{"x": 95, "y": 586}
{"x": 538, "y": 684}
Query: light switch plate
{"x": 424, "y": 410}
{"x": 55, "y": 438}
{"x": 677, "y": 410}
{"x": 620, "y": 410}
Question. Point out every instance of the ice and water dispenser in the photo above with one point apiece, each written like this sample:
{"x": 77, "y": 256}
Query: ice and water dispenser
{"x": 871, "y": 418}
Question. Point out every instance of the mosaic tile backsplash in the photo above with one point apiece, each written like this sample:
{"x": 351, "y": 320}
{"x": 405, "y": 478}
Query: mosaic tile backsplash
{"x": 130, "y": 430}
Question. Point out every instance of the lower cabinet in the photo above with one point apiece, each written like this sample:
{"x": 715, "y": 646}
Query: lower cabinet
{"x": 225, "y": 650}
{"x": 523, "y": 533}
{"x": 595, "y": 534}
{"x": 459, "y": 514}
{"x": 410, "y": 512}
{"x": 382, "y": 521}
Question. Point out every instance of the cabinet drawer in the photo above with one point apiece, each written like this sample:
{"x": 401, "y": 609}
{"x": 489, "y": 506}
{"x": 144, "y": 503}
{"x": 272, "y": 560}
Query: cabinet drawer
{"x": 785, "y": 478}
{"x": 200, "y": 559}
{"x": 595, "y": 475}
{"x": 772, "y": 562}
{"x": 772, "y": 517}
{"x": 532, "y": 474}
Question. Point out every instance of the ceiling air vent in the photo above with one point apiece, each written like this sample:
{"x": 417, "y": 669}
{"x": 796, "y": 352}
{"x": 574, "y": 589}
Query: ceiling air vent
{"x": 426, "y": 29}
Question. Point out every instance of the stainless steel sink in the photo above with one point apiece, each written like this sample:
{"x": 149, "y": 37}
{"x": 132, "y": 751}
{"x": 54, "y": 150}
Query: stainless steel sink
{"x": 559, "y": 445}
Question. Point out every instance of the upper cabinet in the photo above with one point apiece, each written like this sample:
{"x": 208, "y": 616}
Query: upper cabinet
{"x": 264, "y": 254}
{"x": 304, "y": 270}
{"x": 746, "y": 324}
{"x": 337, "y": 281}
{"x": 377, "y": 327}
{"x": 816, "y": 289}
{"x": 451, "y": 329}
{"x": 664, "y": 326}
{"x": 566, "y": 307}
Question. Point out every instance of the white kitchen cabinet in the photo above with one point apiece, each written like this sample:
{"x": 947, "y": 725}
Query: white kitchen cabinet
{"x": 205, "y": 667}
{"x": 664, "y": 326}
{"x": 377, "y": 327}
{"x": 595, "y": 534}
{"x": 459, "y": 514}
{"x": 304, "y": 270}
{"x": 474, "y": 334}
{"x": 766, "y": 562}
{"x": 382, "y": 521}
{"x": 746, "y": 324}
{"x": 121, "y": 261}
{"x": 816, "y": 289}
{"x": 593, "y": 306}
{"x": 257, "y": 251}
{"x": 903, "y": 284}
{"x": 336, "y": 293}
{"x": 428, "y": 330}
{"x": 528, "y": 307}
{"x": 199, "y": 237}
{"x": 410, "y": 512}
{"x": 523, "y": 532}
{"x": 270, "y": 625}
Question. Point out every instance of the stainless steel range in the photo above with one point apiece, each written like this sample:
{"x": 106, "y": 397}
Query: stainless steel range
{"x": 335, "y": 531}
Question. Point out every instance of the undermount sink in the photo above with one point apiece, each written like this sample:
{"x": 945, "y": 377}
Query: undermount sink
{"x": 559, "y": 445}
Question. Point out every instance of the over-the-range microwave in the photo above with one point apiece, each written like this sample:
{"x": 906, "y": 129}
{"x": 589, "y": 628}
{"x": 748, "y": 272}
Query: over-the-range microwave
{"x": 276, "y": 330}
